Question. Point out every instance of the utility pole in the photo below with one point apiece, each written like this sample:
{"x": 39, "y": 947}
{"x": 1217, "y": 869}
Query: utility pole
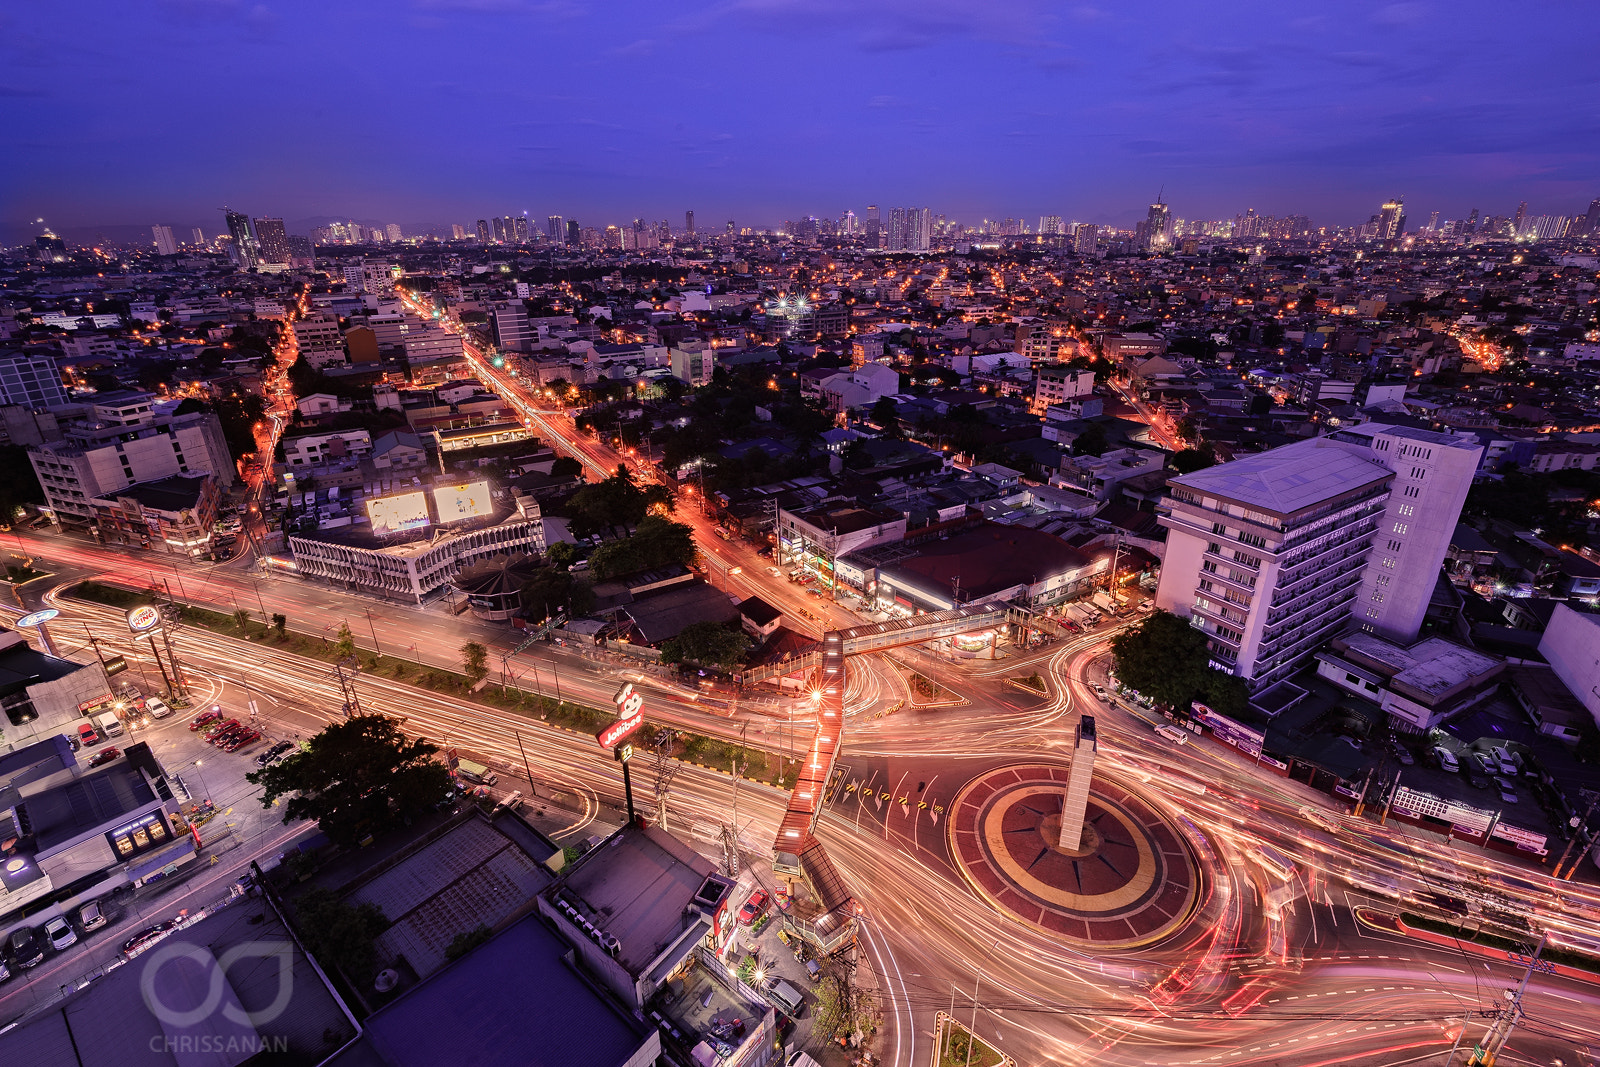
{"x": 730, "y": 831}
{"x": 347, "y": 685}
{"x": 666, "y": 770}
{"x": 1578, "y": 825}
{"x": 1489, "y": 1048}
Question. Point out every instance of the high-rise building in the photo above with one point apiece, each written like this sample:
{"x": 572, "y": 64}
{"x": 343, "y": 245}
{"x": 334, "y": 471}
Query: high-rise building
{"x": 484, "y": 236}
{"x": 1391, "y": 219}
{"x": 199, "y": 237}
{"x": 122, "y": 442}
{"x": 301, "y": 251}
{"x": 1592, "y": 219}
{"x": 1519, "y": 219}
{"x": 1049, "y": 224}
{"x": 457, "y": 231}
{"x": 166, "y": 244}
{"x": 574, "y": 233}
{"x": 688, "y": 223}
{"x": 1271, "y": 555}
{"x": 555, "y": 228}
{"x": 1433, "y": 222}
{"x": 244, "y": 251}
{"x": 499, "y": 230}
{"x": 272, "y": 242}
{"x": 1157, "y": 232}
{"x": 731, "y": 231}
{"x": 1471, "y": 225}
{"x": 393, "y": 230}
{"x": 30, "y": 379}
{"x": 521, "y": 224}
{"x": 874, "y": 227}
{"x": 1085, "y": 239}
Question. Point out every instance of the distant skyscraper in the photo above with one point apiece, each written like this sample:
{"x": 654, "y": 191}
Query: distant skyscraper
{"x": 574, "y": 233}
{"x": 166, "y": 244}
{"x": 393, "y": 230}
{"x": 273, "y": 242}
{"x": 1391, "y": 219}
{"x": 1050, "y": 224}
{"x": 483, "y": 232}
{"x": 199, "y": 238}
{"x": 731, "y": 231}
{"x": 874, "y": 227}
{"x": 499, "y": 225}
{"x": 509, "y": 224}
{"x": 1592, "y": 219}
{"x": 243, "y": 249}
{"x": 457, "y": 231}
{"x": 555, "y": 228}
{"x": 1157, "y": 233}
{"x": 521, "y": 224}
{"x": 688, "y": 223}
{"x": 1519, "y": 219}
{"x": 1471, "y": 225}
{"x": 1433, "y": 222}
{"x": 1085, "y": 239}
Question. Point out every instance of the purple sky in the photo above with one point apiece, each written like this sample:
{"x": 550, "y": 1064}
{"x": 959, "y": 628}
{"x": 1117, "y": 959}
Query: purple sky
{"x": 439, "y": 111}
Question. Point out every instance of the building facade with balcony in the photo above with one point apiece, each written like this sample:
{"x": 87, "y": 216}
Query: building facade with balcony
{"x": 1272, "y": 555}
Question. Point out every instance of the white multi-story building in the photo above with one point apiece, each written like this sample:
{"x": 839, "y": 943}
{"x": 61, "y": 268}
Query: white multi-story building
{"x": 1273, "y": 554}
{"x": 350, "y": 558}
{"x": 693, "y": 366}
{"x": 320, "y": 340}
{"x": 117, "y": 442}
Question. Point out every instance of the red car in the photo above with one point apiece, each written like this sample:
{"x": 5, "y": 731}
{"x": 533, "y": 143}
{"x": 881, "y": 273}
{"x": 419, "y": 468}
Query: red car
{"x": 205, "y": 718}
{"x": 88, "y": 735}
{"x": 238, "y": 741}
{"x": 218, "y": 727}
{"x": 753, "y": 907}
{"x": 105, "y": 756}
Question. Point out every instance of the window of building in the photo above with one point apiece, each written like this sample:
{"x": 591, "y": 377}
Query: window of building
{"x": 1377, "y": 598}
{"x": 1383, "y": 580}
{"x": 1372, "y": 613}
{"x": 1214, "y": 548}
{"x": 18, "y": 708}
{"x": 1253, "y": 539}
{"x": 1419, "y": 473}
{"x": 1407, "y": 510}
{"x": 1400, "y": 527}
{"x": 1413, "y": 491}
{"x": 1395, "y": 546}
{"x": 1220, "y": 529}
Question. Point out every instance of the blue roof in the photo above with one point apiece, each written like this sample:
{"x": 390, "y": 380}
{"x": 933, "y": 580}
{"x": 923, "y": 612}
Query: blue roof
{"x": 511, "y": 1002}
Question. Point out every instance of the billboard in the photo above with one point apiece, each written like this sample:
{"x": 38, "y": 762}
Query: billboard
{"x": 396, "y": 514}
{"x": 456, "y": 502}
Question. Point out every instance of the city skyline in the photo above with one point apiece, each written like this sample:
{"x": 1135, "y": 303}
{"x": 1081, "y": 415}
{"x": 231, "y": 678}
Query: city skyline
{"x": 1226, "y": 109}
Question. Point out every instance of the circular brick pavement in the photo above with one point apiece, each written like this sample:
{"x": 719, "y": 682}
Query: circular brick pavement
{"x": 1133, "y": 880}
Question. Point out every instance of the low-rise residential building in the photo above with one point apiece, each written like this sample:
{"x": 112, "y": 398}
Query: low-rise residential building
{"x": 176, "y": 513}
{"x": 1419, "y": 686}
{"x": 693, "y": 366}
{"x": 310, "y": 449}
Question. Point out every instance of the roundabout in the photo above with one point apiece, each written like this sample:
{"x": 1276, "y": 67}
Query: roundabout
{"x": 1132, "y": 881}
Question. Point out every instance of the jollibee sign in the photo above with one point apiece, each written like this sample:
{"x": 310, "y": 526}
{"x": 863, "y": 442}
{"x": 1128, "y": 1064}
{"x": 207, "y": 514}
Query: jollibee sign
{"x": 630, "y": 716}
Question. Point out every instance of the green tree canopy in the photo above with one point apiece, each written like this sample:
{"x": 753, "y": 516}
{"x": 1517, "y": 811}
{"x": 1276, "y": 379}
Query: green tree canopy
{"x": 553, "y": 589}
{"x": 710, "y": 644}
{"x": 356, "y": 777}
{"x": 1166, "y": 659}
{"x": 1190, "y": 460}
{"x": 475, "y": 661}
{"x": 342, "y": 934}
{"x": 616, "y": 501}
{"x": 657, "y": 542}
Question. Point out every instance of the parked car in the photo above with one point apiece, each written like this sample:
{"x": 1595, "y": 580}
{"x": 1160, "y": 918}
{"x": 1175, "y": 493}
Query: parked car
{"x": 1508, "y": 795}
{"x": 218, "y": 727}
{"x": 273, "y": 753}
{"x": 104, "y": 757}
{"x": 148, "y": 936}
{"x": 753, "y": 907}
{"x": 5, "y": 972}
{"x": 1404, "y": 755}
{"x": 158, "y": 708}
{"x": 205, "y": 718}
{"x": 90, "y": 917}
{"x": 1447, "y": 760}
{"x": 239, "y": 740}
{"x": 25, "y": 947}
{"x": 60, "y": 934}
{"x": 1100, "y": 693}
{"x": 88, "y": 735}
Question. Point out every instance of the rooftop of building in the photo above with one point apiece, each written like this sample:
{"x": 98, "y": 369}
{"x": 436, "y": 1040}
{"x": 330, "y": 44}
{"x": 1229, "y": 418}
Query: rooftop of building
{"x": 848, "y": 519}
{"x": 987, "y": 559}
{"x": 511, "y": 1002}
{"x": 1432, "y": 666}
{"x": 178, "y": 493}
{"x": 100, "y": 1024}
{"x": 637, "y": 886}
{"x": 21, "y": 665}
{"x": 1289, "y": 479}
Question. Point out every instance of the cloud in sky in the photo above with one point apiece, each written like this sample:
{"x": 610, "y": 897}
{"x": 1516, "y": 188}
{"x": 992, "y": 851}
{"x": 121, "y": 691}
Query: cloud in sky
{"x": 760, "y": 110}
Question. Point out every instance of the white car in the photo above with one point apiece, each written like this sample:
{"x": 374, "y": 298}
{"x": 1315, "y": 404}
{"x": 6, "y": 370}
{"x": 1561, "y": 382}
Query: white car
{"x": 60, "y": 934}
{"x": 1100, "y": 693}
{"x": 157, "y": 707}
{"x": 775, "y": 572}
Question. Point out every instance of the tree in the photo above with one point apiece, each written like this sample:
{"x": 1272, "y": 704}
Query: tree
{"x": 710, "y": 644}
{"x": 562, "y": 554}
{"x": 279, "y": 622}
{"x": 565, "y": 467}
{"x": 241, "y": 618}
{"x": 345, "y": 645}
{"x": 475, "y": 661}
{"x": 1190, "y": 460}
{"x": 342, "y": 934}
{"x": 884, "y": 414}
{"x": 1091, "y": 442}
{"x": 355, "y": 778}
{"x": 657, "y": 542}
{"x": 1166, "y": 660}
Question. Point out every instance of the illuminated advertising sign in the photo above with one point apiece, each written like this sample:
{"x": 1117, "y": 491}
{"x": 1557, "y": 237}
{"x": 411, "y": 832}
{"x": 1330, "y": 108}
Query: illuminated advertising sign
{"x": 456, "y": 502}
{"x": 38, "y": 618}
{"x": 144, "y": 618}
{"x": 630, "y": 712}
{"x": 397, "y": 514}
